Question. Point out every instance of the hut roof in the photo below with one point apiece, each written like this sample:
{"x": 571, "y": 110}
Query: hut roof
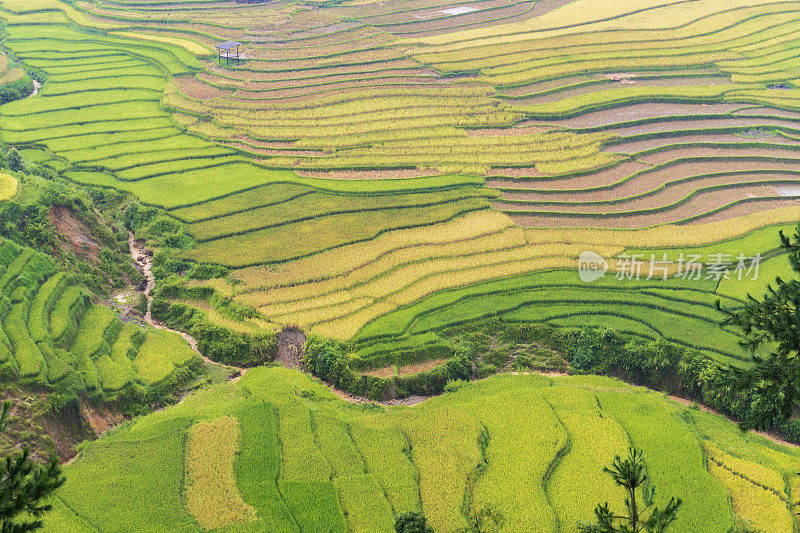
{"x": 228, "y": 45}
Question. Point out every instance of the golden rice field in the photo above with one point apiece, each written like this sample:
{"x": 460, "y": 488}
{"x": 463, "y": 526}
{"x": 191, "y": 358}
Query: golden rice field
{"x": 8, "y": 187}
{"x": 364, "y": 161}
{"x": 211, "y": 493}
{"x": 278, "y": 451}
{"x": 376, "y": 173}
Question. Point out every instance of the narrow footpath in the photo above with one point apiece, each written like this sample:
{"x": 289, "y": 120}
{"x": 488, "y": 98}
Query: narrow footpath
{"x": 36, "y": 87}
{"x": 143, "y": 259}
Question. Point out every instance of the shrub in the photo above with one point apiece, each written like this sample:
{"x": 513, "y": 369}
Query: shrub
{"x": 595, "y": 350}
{"x": 412, "y": 522}
{"x": 523, "y": 362}
{"x": 27, "y": 224}
{"x": 60, "y": 402}
{"x": 14, "y": 160}
{"x": 459, "y": 368}
{"x": 137, "y": 215}
{"x": 541, "y": 333}
{"x": 16, "y": 90}
{"x": 328, "y": 361}
{"x": 497, "y": 357}
{"x": 453, "y": 386}
{"x": 425, "y": 383}
{"x": 216, "y": 342}
{"x": 206, "y": 271}
{"x": 484, "y": 370}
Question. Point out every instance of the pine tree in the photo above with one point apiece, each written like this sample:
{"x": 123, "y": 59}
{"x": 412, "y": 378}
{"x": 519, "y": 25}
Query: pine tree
{"x": 641, "y": 513}
{"x": 24, "y": 486}
{"x": 14, "y": 160}
{"x": 773, "y": 379}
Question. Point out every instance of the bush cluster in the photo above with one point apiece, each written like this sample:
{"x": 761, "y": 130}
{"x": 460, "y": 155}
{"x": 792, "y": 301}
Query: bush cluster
{"x": 16, "y": 90}
{"x": 216, "y": 342}
{"x": 329, "y": 361}
{"x": 661, "y": 365}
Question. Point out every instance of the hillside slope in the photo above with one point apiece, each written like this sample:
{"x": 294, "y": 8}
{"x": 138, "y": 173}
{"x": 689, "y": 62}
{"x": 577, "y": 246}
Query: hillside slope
{"x": 52, "y": 335}
{"x": 277, "y": 451}
{"x": 414, "y": 141}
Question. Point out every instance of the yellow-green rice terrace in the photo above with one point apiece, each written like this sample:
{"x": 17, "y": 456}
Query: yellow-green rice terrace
{"x": 383, "y": 176}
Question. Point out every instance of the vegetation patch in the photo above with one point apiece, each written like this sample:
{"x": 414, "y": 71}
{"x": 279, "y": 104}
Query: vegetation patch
{"x": 431, "y": 449}
{"x": 8, "y": 187}
{"x": 211, "y": 493}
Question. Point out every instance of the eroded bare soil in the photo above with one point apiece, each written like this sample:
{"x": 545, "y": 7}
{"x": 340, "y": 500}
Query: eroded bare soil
{"x": 73, "y": 235}
{"x": 291, "y": 342}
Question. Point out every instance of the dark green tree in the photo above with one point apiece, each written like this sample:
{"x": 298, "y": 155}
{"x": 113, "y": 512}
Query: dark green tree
{"x": 641, "y": 513}
{"x": 27, "y": 224}
{"x": 486, "y": 519}
{"x": 772, "y": 382}
{"x": 412, "y": 522}
{"x": 14, "y": 160}
{"x": 24, "y": 486}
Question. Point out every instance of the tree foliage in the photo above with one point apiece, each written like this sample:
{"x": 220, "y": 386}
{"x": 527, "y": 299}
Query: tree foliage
{"x": 412, "y": 522}
{"x": 17, "y": 90}
{"x": 641, "y": 514}
{"x": 772, "y": 323}
{"x": 28, "y": 225}
{"x": 24, "y": 486}
{"x": 14, "y": 160}
{"x": 486, "y": 519}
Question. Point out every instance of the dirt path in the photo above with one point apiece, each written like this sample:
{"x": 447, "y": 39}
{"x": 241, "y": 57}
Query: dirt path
{"x": 36, "y": 87}
{"x": 353, "y": 398}
{"x": 143, "y": 259}
{"x": 706, "y": 409}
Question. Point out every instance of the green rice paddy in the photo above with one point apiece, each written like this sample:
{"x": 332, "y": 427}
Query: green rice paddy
{"x": 53, "y": 335}
{"x": 309, "y": 460}
{"x": 379, "y": 172}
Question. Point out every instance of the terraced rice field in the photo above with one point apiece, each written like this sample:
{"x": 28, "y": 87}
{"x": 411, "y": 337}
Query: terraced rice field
{"x": 307, "y": 461}
{"x": 52, "y": 334}
{"x": 9, "y": 73}
{"x": 369, "y": 171}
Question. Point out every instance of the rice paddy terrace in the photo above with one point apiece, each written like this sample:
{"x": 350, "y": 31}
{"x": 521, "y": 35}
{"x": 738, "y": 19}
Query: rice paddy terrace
{"x": 52, "y": 334}
{"x": 278, "y": 451}
{"x": 376, "y": 172}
